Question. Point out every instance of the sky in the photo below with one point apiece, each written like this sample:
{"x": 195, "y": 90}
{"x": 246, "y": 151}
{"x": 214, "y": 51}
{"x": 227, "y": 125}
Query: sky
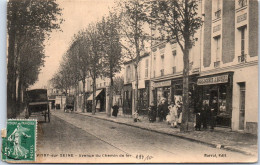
{"x": 77, "y": 14}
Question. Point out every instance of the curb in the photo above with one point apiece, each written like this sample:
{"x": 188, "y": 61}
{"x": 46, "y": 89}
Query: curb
{"x": 219, "y": 146}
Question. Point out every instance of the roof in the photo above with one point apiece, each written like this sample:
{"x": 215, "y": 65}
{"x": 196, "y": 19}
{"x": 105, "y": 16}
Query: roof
{"x": 142, "y": 56}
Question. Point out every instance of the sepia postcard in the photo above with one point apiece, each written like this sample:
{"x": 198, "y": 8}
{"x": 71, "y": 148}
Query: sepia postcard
{"x": 131, "y": 81}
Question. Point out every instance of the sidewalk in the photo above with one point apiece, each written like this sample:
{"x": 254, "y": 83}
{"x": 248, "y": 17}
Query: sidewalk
{"x": 224, "y": 139}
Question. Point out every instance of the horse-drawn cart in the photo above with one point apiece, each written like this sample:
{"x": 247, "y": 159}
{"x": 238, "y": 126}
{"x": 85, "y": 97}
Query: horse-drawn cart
{"x": 37, "y": 102}
{"x": 69, "y": 105}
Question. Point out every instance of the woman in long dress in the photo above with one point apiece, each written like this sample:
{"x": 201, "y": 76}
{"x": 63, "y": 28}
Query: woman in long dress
{"x": 172, "y": 117}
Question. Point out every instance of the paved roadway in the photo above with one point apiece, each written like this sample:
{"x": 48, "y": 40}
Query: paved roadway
{"x": 95, "y": 140}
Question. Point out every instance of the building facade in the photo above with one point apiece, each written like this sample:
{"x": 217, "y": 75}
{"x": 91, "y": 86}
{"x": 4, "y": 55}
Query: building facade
{"x": 101, "y": 86}
{"x": 223, "y": 66}
{"x": 143, "y": 85}
{"x": 229, "y": 67}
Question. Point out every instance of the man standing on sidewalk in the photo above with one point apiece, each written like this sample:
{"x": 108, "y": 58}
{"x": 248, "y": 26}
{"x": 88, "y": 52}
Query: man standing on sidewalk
{"x": 213, "y": 113}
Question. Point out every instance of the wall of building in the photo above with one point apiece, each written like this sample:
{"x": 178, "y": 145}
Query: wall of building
{"x": 129, "y": 70}
{"x": 228, "y": 32}
{"x": 163, "y": 58}
{"x": 128, "y": 73}
{"x": 207, "y": 33}
{"x": 227, "y": 25}
{"x": 253, "y": 31}
{"x": 142, "y": 66}
{"x": 249, "y": 75}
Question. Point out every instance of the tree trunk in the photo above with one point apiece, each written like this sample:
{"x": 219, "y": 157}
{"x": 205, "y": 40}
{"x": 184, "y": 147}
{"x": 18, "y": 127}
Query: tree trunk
{"x": 110, "y": 101}
{"x": 11, "y": 75}
{"x": 61, "y": 102}
{"x": 75, "y": 98}
{"x": 185, "y": 107}
{"x": 10, "y": 65}
{"x": 136, "y": 89}
{"x": 19, "y": 93}
{"x": 84, "y": 97}
{"x": 94, "y": 96}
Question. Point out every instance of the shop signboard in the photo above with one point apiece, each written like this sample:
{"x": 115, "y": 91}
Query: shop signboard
{"x": 162, "y": 84}
{"x": 213, "y": 80}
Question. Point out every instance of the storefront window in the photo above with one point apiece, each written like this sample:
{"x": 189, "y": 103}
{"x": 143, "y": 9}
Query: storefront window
{"x": 159, "y": 95}
{"x": 222, "y": 100}
{"x": 143, "y": 99}
{"x": 178, "y": 90}
{"x": 217, "y": 94}
{"x": 206, "y": 95}
{"x": 163, "y": 92}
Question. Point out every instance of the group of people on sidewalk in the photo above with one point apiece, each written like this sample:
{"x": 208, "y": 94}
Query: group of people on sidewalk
{"x": 172, "y": 114}
{"x": 207, "y": 116}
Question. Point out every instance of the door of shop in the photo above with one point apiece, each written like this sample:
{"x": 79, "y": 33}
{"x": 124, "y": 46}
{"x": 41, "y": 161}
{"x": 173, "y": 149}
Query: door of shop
{"x": 127, "y": 102}
{"x": 218, "y": 102}
{"x": 242, "y": 106}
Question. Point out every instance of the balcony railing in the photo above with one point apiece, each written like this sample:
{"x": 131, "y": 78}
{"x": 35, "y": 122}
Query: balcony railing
{"x": 218, "y": 14}
{"x": 174, "y": 70}
{"x": 216, "y": 64}
{"x": 162, "y": 72}
{"x": 242, "y": 58}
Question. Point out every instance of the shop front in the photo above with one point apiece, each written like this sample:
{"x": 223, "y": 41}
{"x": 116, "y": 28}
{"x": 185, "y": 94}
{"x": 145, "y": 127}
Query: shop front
{"x": 216, "y": 92}
{"x": 177, "y": 94}
{"x": 100, "y": 101}
{"x": 127, "y": 99}
{"x": 143, "y": 98}
{"x": 177, "y": 89}
{"x": 161, "y": 90}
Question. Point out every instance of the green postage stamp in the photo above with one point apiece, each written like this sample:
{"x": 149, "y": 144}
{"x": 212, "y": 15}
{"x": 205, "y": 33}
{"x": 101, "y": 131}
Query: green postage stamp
{"x": 19, "y": 141}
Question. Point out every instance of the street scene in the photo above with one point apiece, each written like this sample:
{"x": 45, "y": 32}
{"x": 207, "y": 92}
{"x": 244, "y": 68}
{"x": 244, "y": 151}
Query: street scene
{"x": 111, "y": 139}
{"x": 134, "y": 81}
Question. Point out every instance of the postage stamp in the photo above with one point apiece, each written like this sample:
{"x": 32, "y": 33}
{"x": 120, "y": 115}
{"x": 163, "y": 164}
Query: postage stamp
{"x": 20, "y": 141}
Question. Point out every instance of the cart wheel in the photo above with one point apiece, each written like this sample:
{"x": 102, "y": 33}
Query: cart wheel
{"x": 49, "y": 119}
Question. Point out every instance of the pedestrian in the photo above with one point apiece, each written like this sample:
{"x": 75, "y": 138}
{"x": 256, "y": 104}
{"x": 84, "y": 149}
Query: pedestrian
{"x": 179, "y": 112}
{"x": 205, "y": 113}
{"x": 197, "y": 111}
{"x": 213, "y": 113}
{"x": 161, "y": 109}
{"x": 115, "y": 110}
{"x": 136, "y": 116}
{"x": 172, "y": 116}
{"x": 152, "y": 113}
{"x": 198, "y": 121}
{"x": 165, "y": 109}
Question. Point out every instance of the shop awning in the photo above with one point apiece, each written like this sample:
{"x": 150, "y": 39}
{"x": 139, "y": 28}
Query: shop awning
{"x": 97, "y": 93}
